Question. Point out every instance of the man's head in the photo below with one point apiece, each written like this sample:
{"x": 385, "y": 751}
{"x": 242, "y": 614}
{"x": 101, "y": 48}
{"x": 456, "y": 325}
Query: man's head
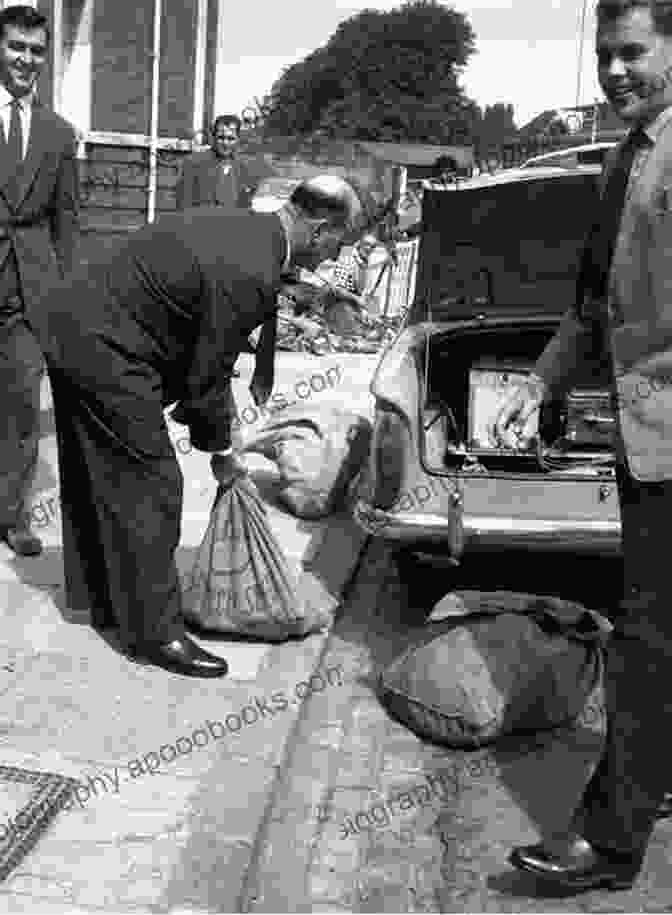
{"x": 324, "y": 214}
{"x": 24, "y": 42}
{"x": 225, "y": 136}
{"x": 634, "y": 57}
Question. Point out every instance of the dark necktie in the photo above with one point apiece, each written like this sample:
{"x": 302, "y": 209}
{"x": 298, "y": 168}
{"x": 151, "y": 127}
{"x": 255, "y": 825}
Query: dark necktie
{"x": 599, "y": 249}
{"x": 15, "y": 139}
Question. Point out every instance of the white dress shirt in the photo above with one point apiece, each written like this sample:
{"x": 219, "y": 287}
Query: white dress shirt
{"x": 25, "y": 113}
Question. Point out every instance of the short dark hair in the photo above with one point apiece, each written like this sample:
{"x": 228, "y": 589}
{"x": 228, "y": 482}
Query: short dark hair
{"x": 25, "y": 18}
{"x": 661, "y": 12}
{"x": 227, "y": 120}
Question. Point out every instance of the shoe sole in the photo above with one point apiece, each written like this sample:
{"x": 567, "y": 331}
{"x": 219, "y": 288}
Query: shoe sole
{"x": 607, "y": 882}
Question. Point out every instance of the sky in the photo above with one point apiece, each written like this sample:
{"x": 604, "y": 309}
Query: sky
{"x": 527, "y": 51}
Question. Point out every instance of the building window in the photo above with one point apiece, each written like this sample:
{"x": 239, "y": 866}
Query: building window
{"x": 72, "y": 61}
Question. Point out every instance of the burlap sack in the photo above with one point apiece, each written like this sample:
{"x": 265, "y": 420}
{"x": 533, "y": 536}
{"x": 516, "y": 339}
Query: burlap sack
{"x": 318, "y": 450}
{"x": 497, "y": 664}
{"x": 241, "y": 582}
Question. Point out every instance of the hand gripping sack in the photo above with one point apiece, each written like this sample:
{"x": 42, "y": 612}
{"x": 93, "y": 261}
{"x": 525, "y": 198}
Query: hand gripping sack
{"x": 318, "y": 450}
{"x": 241, "y": 582}
{"x": 499, "y": 664}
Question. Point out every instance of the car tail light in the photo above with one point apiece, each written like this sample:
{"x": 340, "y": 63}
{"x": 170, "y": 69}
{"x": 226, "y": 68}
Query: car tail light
{"x": 388, "y": 457}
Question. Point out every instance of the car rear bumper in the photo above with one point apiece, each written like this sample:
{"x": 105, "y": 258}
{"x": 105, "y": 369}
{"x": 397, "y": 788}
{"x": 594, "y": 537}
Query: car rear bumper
{"x": 418, "y": 529}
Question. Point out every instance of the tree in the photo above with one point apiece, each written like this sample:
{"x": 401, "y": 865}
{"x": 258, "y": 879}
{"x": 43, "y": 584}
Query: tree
{"x": 381, "y": 76}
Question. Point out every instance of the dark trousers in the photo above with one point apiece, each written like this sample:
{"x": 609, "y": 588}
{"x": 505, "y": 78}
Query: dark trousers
{"x": 620, "y": 801}
{"x": 121, "y": 500}
{"x": 21, "y": 371}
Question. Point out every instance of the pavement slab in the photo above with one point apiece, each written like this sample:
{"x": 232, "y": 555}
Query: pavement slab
{"x": 175, "y": 774}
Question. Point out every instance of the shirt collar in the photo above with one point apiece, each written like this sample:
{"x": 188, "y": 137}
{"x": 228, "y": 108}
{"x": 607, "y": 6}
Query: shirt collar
{"x": 655, "y": 128}
{"x": 7, "y": 98}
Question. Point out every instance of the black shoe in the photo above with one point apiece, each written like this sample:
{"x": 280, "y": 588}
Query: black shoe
{"x": 580, "y": 868}
{"x": 22, "y": 541}
{"x": 183, "y": 656}
{"x": 665, "y": 807}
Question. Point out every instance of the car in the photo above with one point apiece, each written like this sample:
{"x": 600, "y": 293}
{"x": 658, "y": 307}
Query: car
{"x": 573, "y": 157}
{"x": 498, "y": 264}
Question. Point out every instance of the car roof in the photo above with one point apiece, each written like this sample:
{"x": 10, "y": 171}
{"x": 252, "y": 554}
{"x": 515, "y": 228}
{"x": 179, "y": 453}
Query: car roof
{"x": 512, "y": 175}
{"x": 569, "y": 151}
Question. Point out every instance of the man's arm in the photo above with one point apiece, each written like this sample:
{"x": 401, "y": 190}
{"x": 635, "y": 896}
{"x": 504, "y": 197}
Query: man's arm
{"x": 64, "y": 210}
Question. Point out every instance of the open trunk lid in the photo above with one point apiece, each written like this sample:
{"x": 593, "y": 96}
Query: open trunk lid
{"x": 509, "y": 245}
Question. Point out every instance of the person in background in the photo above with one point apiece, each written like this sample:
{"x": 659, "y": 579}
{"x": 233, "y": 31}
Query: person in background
{"x": 622, "y": 322}
{"x": 38, "y": 231}
{"x": 217, "y": 176}
{"x": 446, "y": 170}
{"x": 164, "y": 319}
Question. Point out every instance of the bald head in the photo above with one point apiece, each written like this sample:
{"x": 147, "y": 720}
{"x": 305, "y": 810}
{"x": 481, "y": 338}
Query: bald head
{"x": 341, "y": 200}
{"x": 323, "y": 214}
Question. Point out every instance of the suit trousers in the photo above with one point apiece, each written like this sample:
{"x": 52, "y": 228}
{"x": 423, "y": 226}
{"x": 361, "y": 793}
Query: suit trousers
{"x": 21, "y": 372}
{"x": 121, "y": 500}
{"x": 620, "y": 802}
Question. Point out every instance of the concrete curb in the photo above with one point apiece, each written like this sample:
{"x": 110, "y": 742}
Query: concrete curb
{"x": 281, "y": 858}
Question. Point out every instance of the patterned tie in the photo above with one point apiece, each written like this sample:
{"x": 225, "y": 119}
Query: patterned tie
{"x": 599, "y": 249}
{"x": 15, "y": 139}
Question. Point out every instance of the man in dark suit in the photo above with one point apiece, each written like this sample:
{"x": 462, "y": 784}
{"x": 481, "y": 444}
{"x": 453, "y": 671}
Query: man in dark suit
{"x": 162, "y": 320}
{"x": 38, "y": 227}
{"x": 623, "y": 320}
{"x": 217, "y": 176}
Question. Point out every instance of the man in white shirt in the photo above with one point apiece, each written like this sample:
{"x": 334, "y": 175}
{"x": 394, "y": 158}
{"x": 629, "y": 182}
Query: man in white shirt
{"x": 38, "y": 228}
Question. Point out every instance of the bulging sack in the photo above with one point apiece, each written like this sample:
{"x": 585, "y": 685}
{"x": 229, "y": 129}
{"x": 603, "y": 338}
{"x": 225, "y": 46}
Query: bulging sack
{"x": 241, "y": 582}
{"x": 500, "y": 664}
{"x": 318, "y": 450}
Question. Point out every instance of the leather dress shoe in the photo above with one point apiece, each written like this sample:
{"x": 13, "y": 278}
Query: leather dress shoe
{"x": 579, "y": 867}
{"x": 665, "y": 807}
{"x": 182, "y": 656}
{"x": 22, "y": 541}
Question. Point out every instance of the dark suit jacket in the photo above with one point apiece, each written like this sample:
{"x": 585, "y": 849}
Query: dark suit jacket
{"x": 201, "y": 182}
{"x": 39, "y": 210}
{"x": 166, "y": 316}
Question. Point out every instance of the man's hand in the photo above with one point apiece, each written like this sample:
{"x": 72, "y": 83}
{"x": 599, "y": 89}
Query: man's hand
{"x": 226, "y": 468}
{"x": 260, "y": 389}
{"x": 512, "y": 427}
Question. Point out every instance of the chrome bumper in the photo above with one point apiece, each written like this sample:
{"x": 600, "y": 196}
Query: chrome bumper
{"x": 493, "y": 531}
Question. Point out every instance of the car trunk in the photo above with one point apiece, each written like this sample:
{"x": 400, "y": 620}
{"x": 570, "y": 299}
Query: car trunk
{"x": 468, "y": 370}
{"x": 497, "y": 269}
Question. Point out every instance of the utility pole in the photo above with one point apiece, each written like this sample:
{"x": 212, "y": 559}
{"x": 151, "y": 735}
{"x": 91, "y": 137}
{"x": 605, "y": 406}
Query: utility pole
{"x": 579, "y": 66}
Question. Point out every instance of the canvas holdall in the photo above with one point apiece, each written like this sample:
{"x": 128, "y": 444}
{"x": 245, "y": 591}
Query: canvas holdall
{"x": 318, "y": 451}
{"x": 241, "y": 583}
{"x": 493, "y": 664}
